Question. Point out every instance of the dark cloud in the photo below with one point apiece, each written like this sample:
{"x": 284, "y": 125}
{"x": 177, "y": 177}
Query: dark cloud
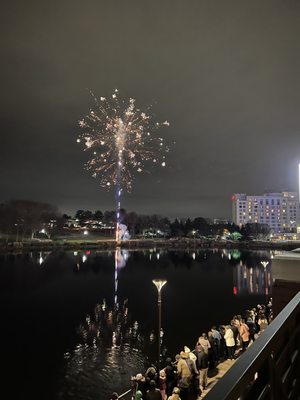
{"x": 224, "y": 73}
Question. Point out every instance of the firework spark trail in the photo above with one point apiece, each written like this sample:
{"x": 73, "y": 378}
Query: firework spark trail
{"x": 122, "y": 140}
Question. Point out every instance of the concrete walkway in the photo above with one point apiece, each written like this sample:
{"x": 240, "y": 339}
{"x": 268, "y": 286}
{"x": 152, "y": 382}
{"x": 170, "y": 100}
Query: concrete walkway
{"x": 215, "y": 375}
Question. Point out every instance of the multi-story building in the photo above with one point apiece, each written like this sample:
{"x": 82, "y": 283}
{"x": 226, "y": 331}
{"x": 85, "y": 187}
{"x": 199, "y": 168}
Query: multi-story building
{"x": 279, "y": 210}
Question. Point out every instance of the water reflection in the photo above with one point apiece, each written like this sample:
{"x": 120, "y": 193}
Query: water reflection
{"x": 39, "y": 257}
{"x": 252, "y": 274}
{"x": 99, "y": 309}
{"x": 121, "y": 257}
{"x": 109, "y": 327}
{"x": 110, "y": 342}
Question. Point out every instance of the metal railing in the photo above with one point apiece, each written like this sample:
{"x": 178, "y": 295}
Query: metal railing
{"x": 270, "y": 368}
{"x": 126, "y": 395}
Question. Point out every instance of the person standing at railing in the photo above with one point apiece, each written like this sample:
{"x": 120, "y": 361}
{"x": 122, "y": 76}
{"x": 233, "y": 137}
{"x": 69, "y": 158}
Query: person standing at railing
{"x": 170, "y": 371}
{"x": 217, "y": 340}
{"x": 235, "y": 326}
{"x": 252, "y": 328}
{"x": 204, "y": 342}
{"x": 175, "y": 394}
{"x": 230, "y": 342}
{"x": 150, "y": 375}
{"x": 162, "y": 384}
{"x": 244, "y": 334}
{"x": 202, "y": 365}
{"x": 262, "y": 323}
{"x": 138, "y": 386}
{"x": 213, "y": 351}
{"x": 153, "y": 393}
{"x": 223, "y": 348}
{"x": 138, "y": 395}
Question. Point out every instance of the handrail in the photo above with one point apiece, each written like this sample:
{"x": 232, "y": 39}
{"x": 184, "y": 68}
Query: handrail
{"x": 124, "y": 394}
{"x": 240, "y": 374}
{"x": 284, "y": 330}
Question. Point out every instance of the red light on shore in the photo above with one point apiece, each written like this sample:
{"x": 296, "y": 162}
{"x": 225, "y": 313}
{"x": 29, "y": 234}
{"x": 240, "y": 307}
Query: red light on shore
{"x": 233, "y": 197}
{"x": 235, "y": 290}
{"x": 88, "y": 252}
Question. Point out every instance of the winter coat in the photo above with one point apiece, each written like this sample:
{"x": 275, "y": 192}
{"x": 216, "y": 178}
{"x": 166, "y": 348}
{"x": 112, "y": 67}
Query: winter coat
{"x": 153, "y": 395}
{"x": 183, "y": 369}
{"x": 229, "y": 337}
{"x": 174, "y": 396}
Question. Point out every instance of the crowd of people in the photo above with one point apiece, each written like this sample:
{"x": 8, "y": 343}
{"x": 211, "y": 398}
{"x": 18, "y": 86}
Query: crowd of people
{"x": 186, "y": 377}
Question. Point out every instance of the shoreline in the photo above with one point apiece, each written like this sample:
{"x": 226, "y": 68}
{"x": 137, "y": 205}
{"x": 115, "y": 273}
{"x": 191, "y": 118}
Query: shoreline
{"x": 144, "y": 244}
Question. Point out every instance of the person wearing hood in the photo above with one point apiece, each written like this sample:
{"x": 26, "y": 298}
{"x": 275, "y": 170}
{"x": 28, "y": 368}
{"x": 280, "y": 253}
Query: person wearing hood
{"x": 191, "y": 361}
{"x": 183, "y": 369}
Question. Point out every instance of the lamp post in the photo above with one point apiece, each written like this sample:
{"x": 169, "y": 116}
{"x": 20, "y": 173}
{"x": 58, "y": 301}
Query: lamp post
{"x": 159, "y": 283}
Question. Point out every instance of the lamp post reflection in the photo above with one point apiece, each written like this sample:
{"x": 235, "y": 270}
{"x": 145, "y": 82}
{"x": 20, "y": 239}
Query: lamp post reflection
{"x": 265, "y": 264}
{"x": 159, "y": 283}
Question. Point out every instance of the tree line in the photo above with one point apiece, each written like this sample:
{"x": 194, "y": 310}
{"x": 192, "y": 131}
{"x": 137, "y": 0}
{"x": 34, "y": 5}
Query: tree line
{"x": 159, "y": 225}
{"x": 23, "y": 218}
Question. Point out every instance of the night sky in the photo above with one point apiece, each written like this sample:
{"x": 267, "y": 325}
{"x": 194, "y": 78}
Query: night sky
{"x": 225, "y": 74}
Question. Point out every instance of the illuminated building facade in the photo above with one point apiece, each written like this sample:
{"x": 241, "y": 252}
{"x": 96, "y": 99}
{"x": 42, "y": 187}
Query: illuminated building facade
{"x": 279, "y": 210}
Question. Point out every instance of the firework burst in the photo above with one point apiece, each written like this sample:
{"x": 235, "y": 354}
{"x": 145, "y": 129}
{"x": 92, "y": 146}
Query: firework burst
{"x": 122, "y": 140}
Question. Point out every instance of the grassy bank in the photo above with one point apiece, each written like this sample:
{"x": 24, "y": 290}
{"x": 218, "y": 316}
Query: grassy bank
{"x": 173, "y": 243}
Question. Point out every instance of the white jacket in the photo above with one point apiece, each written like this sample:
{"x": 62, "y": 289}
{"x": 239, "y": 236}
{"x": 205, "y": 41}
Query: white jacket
{"x": 229, "y": 338}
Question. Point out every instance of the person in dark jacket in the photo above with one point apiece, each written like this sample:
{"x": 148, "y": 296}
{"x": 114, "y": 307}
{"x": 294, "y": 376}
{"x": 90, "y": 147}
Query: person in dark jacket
{"x": 150, "y": 375}
{"x": 170, "y": 371}
{"x": 252, "y": 328}
{"x": 153, "y": 393}
{"x": 202, "y": 365}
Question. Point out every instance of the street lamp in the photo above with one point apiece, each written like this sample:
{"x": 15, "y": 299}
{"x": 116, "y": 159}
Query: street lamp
{"x": 264, "y": 263}
{"x": 159, "y": 283}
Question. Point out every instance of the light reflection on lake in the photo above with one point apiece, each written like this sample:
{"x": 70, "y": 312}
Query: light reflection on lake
{"x": 88, "y": 319}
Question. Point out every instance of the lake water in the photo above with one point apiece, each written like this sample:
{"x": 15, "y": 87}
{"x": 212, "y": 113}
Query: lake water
{"x": 78, "y": 325}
